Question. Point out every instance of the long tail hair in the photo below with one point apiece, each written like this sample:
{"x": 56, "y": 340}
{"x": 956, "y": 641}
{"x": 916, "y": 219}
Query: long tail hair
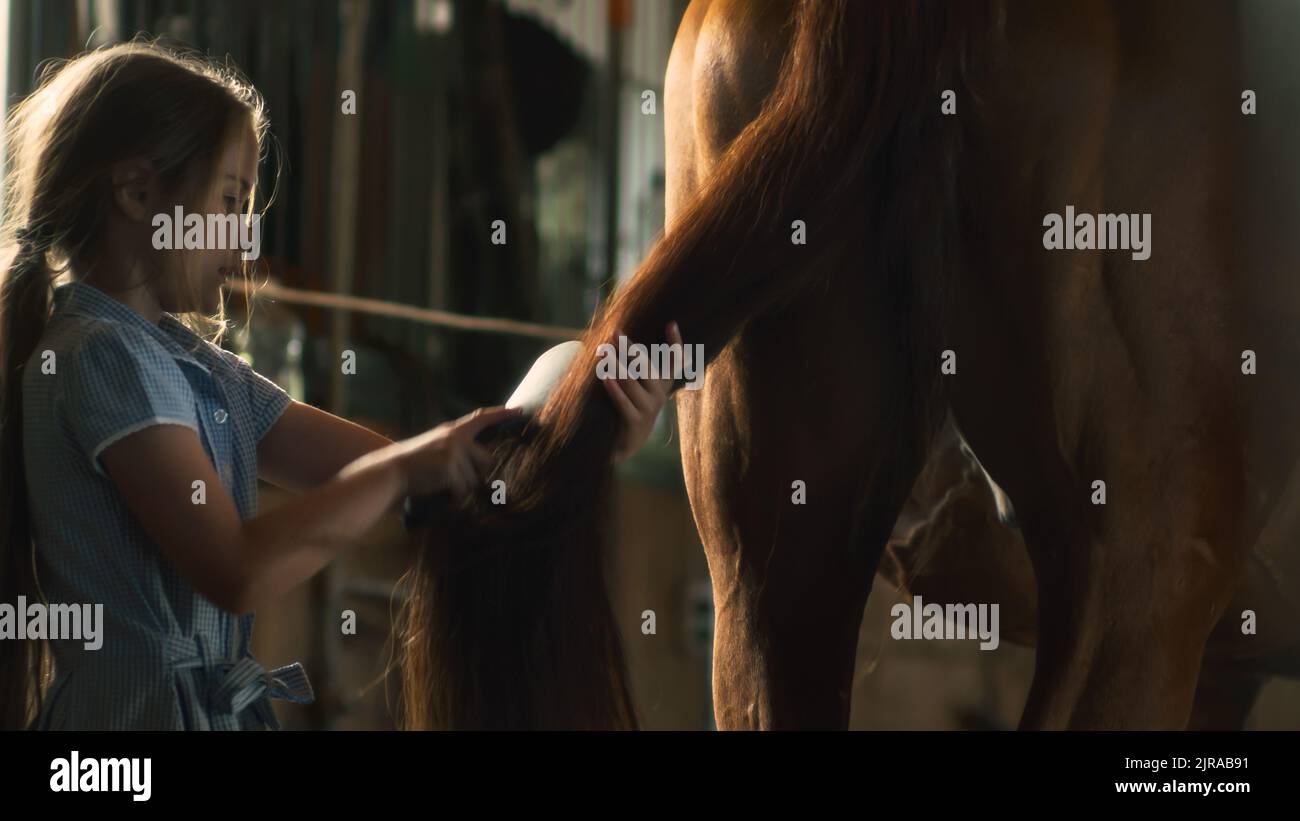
{"x": 508, "y": 623}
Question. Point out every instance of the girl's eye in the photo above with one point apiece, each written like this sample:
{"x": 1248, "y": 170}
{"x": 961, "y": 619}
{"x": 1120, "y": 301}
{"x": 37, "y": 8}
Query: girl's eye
{"x": 230, "y": 204}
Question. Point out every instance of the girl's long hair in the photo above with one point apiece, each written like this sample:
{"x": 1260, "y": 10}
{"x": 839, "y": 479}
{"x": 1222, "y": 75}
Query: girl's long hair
{"x": 508, "y": 623}
{"x": 129, "y": 101}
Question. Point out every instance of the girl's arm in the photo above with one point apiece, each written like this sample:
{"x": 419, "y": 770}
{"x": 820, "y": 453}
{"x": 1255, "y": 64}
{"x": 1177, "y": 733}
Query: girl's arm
{"x": 307, "y": 446}
{"x": 639, "y": 402}
{"x": 240, "y": 565}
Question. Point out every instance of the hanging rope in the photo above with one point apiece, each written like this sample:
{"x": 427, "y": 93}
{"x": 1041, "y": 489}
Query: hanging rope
{"x": 428, "y": 316}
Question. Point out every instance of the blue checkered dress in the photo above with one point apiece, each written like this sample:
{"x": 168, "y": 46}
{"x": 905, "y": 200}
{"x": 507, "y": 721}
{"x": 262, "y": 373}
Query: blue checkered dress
{"x": 170, "y": 658}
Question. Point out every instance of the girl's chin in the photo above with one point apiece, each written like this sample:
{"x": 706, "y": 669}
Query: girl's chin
{"x": 211, "y": 298}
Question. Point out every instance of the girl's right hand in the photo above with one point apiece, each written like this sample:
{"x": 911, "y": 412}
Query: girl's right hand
{"x": 447, "y": 457}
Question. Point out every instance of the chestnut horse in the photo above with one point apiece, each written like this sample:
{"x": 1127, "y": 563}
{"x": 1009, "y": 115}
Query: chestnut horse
{"x": 837, "y": 233}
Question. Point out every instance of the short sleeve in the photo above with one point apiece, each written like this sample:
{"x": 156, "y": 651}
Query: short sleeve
{"x": 117, "y": 381}
{"x": 267, "y": 399}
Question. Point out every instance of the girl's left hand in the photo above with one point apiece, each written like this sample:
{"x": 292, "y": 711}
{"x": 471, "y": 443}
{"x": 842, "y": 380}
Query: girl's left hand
{"x": 639, "y": 402}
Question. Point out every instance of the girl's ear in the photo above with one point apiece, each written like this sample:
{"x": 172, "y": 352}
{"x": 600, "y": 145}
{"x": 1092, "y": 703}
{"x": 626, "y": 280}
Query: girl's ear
{"x": 135, "y": 189}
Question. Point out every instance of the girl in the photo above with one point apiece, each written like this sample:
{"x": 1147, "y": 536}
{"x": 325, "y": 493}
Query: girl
{"x": 130, "y": 446}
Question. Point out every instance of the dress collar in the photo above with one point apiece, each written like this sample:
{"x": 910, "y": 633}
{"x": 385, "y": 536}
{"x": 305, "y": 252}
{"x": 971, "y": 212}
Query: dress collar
{"x": 87, "y": 300}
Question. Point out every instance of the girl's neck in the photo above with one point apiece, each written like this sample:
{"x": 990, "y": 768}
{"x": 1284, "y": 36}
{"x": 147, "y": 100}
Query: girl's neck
{"x": 138, "y": 298}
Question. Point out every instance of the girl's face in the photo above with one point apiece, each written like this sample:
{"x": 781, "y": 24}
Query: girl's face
{"x": 193, "y": 278}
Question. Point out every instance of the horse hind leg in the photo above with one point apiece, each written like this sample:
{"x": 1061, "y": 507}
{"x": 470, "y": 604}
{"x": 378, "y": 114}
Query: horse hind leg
{"x": 1128, "y": 594}
{"x": 791, "y": 547}
{"x": 1225, "y": 695}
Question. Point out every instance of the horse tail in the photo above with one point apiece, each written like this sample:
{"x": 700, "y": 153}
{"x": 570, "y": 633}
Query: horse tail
{"x": 508, "y": 623}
